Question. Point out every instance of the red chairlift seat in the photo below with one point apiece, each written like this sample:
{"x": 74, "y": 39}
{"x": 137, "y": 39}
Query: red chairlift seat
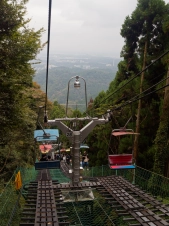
{"x": 121, "y": 161}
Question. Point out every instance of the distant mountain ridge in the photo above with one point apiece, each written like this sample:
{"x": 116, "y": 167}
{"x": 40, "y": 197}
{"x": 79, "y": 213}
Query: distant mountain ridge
{"x": 98, "y": 72}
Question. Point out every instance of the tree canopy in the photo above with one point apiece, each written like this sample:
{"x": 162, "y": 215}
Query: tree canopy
{"x": 139, "y": 90}
{"x": 19, "y": 45}
{"x": 145, "y": 33}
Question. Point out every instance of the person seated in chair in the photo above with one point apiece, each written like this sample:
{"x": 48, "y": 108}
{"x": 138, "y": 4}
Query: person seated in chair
{"x": 44, "y": 157}
{"x": 85, "y": 160}
{"x": 49, "y": 158}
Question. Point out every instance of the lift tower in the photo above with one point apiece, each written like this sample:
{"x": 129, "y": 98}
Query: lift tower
{"x": 76, "y": 137}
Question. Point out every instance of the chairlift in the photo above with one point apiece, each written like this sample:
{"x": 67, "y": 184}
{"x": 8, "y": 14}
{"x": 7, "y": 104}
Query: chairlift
{"x": 45, "y": 136}
{"x": 122, "y": 161}
{"x": 84, "y": 146}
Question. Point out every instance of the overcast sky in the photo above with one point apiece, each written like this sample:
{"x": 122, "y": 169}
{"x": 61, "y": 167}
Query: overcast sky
{"x": 82, "y": 26}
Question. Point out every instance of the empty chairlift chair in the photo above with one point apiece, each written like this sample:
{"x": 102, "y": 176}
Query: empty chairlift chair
{"x": 121, "y": 161}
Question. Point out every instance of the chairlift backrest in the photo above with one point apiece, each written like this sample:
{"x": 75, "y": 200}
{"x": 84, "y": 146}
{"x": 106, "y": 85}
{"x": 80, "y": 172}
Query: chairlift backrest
{"x": 46, "y": 135}
{"x": 123, "y": 161}
{"x": 120, "y": 159}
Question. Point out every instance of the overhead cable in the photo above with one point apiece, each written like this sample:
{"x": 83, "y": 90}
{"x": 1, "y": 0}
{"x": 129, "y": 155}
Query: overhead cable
{"x": 154, "y": 61}
{"x": 137, "y": 97}
{"x": 131, "y": 101}
{"x": 47, "y": 64}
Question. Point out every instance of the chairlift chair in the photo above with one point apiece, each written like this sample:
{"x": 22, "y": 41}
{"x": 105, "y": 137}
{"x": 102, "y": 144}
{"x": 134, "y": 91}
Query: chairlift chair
{"x": 84, "y": 146}
{"x": 47, "y": 135}
{"x": 122, "y": 161}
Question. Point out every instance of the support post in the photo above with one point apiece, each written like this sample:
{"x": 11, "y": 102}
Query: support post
{"x": 76, "y": 158}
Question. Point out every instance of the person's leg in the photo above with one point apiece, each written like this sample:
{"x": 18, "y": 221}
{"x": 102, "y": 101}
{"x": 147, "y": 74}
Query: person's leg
{"x": 85, "y": 165}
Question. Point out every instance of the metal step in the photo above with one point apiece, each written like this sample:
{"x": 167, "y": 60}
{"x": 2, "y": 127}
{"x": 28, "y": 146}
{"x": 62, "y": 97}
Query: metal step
{"x": 29, "y": 205}
{"x": 28, "y": 219}
{"x": 64, "y": 223}
{"x": 26, "y": 224}
{"x": 28, "y": 213}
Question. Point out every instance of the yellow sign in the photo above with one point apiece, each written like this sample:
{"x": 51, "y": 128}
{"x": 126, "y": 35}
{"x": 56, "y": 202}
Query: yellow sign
{"x": 18, "y": 181}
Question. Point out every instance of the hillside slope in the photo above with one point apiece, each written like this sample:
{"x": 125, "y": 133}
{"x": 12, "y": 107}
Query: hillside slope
{"x": 97, "y": 72}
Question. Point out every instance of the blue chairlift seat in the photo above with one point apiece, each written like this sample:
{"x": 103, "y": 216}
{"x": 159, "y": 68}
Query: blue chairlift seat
{"x": 47, "y": 165}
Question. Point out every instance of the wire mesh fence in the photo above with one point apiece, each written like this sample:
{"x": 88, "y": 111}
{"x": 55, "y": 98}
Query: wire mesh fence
{"x": 91, "y": 212}
{"x": 56, "y": 174}
{"x": 148, "y": 181}
{"x": 12, "y": 200}
{"x": 96, "y": 212}
{"x": 8, "y": 198}
{"x": 152, "y": 183}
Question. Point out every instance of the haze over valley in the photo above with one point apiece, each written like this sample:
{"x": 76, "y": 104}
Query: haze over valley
{"x": 97, "y": 71}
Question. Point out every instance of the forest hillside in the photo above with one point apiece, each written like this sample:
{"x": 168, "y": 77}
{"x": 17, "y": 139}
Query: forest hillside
{"x": 98, "y": 72}
{"x": 139, "y": 91}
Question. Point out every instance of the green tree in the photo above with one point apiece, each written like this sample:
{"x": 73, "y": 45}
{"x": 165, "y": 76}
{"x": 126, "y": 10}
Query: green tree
{"x": 19, "y": 45}
{"x": 144, "y": 37}
{"x": 57, "y": 111}
{"x": 161, "y": 162}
